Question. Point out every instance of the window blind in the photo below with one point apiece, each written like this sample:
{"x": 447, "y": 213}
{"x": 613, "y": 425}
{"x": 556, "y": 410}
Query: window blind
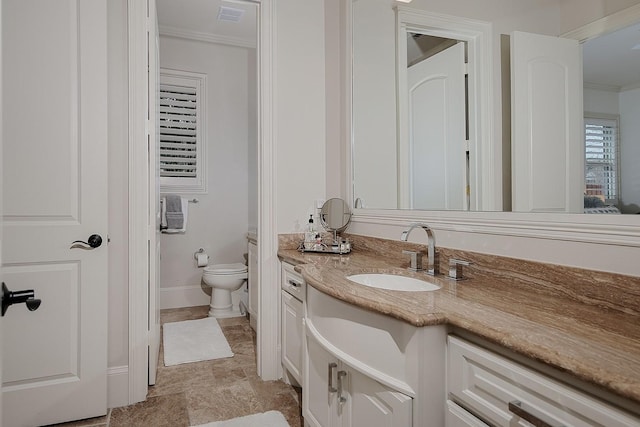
{"x": 601, "y": 158}
{"x": 178, "y": 131}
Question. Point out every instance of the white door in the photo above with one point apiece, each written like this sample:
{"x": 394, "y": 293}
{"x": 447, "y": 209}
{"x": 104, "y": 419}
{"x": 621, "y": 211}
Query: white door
{"x": 547, "y": 145}
{"x": 55, "y": 192}
{"x": 437, "y": 136}
{"x": 1, "y": 183}
{"x": 153, "y": 142}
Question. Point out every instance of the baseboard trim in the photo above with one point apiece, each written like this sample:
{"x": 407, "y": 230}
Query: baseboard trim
{"x": 183, "y": 296}
{"x": 194, "y": 296}
{"x": 117, "y": 386}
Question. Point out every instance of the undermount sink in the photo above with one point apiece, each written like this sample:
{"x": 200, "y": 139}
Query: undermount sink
{"x": 393, "y": 282}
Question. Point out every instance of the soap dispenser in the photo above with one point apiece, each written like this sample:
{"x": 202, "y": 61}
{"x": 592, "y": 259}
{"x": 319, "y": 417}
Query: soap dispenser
{"x": 310, "y": 235}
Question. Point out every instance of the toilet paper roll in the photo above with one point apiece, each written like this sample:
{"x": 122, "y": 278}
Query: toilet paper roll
{"x": 202, "y": 259}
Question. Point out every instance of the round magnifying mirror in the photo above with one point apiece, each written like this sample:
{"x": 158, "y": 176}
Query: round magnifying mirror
{"x": 335, "y": 215}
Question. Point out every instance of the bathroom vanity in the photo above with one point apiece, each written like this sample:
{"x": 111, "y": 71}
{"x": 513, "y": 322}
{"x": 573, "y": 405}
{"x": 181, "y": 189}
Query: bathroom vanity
{"x": 491, "y": 350}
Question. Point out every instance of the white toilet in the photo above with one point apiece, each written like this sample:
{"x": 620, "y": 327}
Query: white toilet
{"x": 224, "y": 279}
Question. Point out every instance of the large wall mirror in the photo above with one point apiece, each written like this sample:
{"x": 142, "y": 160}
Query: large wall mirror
{"x": 418, "y": 77}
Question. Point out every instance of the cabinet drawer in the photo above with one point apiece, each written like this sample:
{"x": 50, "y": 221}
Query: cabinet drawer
{"x": 456, "y": 416}
{"x": 485, "y": 383}
{"x": 293, "y": 282}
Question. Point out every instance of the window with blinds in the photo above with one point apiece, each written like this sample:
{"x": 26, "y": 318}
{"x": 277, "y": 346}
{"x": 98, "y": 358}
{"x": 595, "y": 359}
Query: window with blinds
{"x": 181, "y": 131}
{"x": 601, "y": 159}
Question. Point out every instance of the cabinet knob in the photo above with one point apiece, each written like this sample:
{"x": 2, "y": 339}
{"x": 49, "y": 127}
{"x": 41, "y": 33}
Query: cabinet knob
{"x": 294, "y": 283}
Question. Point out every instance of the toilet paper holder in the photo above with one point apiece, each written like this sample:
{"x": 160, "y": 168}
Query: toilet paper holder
{"x": 201, "y": 257}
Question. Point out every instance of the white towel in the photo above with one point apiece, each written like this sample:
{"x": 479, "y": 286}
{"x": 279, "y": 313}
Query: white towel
{"x": 184, "y": 202}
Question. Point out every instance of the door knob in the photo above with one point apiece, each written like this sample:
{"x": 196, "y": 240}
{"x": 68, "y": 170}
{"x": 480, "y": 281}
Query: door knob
{"x": 18, "y": 297}
{"x": 92, "y": 242}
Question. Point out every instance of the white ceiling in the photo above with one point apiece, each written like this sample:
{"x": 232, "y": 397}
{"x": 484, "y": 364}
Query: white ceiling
{"x": 200, "y": 17}
{"x": 611, "y": 60}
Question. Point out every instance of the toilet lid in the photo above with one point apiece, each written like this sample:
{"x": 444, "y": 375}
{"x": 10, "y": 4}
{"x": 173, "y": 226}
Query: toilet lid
{"x": 226, "y": 268}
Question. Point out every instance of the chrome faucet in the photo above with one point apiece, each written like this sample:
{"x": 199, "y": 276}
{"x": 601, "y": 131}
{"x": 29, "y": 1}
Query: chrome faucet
{"x": 432, "y": 256}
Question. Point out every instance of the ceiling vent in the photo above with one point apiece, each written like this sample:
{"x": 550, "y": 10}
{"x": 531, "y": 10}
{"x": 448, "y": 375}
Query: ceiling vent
{"x": 230, "y": 14}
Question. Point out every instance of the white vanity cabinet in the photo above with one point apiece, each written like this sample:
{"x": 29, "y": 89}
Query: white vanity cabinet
{"x": 338, "y": 395}
{"x": 252, "y": 280}
{"x": 486, "y": 387}
{"x": 291, "y": 323}
{"x": 365, "y": 369}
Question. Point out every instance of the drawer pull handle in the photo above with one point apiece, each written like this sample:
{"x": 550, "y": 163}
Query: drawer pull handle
{"x": 294, "y": 283}
{"x": 341, "y": 398}
{"x": 332, "y": 389}
{"x": 527, "y": 413}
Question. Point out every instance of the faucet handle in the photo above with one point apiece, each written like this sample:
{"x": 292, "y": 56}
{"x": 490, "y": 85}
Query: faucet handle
{"x": 416, "y": 260}
{"x": 455, "y": 268}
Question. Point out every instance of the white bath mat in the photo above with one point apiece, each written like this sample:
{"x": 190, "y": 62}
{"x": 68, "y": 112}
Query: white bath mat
{"x": 265, "y": 419}
{"x": 193, "y": 341}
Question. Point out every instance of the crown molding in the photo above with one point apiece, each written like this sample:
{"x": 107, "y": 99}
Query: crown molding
{"x": 181, "y": 33}
{"x": 605, "y": 25}
{"x": 630, "y": 87}
{"x": 602, "y": 87}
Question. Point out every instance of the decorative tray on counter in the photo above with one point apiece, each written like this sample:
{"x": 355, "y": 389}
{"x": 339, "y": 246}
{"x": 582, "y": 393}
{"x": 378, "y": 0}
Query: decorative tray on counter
{"x": 322, "y": 248}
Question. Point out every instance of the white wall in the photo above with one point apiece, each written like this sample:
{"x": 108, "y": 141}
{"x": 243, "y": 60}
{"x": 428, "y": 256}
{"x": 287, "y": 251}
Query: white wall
{"x": 374, "y": 103}
{"x": 252, "y": 149}
{"x": 601, "y": 101}
{"x": 300, "y": 100}
{"x": 219, "y": 222}
{"x": 630, "y": 150}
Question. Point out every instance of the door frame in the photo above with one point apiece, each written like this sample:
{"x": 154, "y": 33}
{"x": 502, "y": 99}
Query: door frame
{"x": 484, "y": 158}
{"x": 1, "y": 206}
{"x": 139, "y": 187}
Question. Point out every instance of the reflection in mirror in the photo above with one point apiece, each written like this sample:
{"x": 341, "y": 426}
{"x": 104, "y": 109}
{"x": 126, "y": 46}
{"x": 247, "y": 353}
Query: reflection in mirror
{"x": 436, "y": 122}
{"x": 377, "y": 168}
{"x": 612, "y": 129}
{"x": 416, "y": 126}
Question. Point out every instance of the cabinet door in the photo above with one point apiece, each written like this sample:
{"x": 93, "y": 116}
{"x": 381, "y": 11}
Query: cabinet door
{"x": 318, "y": 403}
{"x": 292, "y": 336}
{"x": 371, "y": 404}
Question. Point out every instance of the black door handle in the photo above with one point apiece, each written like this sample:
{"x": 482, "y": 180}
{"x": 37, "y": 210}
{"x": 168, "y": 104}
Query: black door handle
{"x": 18, "y": 297}
{"x": 92, "y": 242}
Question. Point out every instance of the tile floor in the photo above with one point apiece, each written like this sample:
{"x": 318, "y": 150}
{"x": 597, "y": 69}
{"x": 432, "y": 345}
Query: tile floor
{"x": 202, "y": 392}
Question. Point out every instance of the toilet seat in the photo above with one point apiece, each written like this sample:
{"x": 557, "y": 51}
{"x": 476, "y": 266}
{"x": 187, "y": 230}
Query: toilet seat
{"x": 224, "y": 269}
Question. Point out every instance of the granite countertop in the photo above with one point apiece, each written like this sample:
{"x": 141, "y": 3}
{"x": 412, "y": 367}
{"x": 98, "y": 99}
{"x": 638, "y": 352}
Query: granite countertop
{"x": 595, "y": 341}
